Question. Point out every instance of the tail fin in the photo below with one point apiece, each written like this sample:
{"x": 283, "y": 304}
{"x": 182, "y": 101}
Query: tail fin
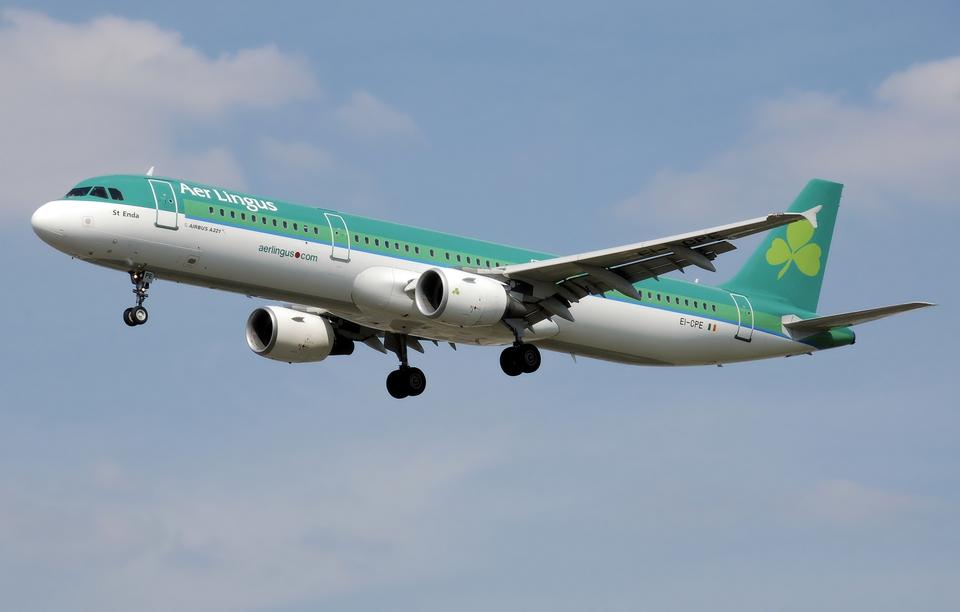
{"x": 790, "y": 262}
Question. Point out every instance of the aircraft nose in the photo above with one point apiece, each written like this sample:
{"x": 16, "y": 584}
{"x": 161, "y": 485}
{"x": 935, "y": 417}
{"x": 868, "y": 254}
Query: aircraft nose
{"x": 47, "y": 222}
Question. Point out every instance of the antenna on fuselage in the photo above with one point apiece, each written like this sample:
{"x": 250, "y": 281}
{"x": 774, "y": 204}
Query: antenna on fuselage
{"x": 150, "y": 171}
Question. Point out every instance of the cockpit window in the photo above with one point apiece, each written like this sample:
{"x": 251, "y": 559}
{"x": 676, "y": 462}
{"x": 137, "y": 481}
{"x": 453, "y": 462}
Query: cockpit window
{"x": 99, "y": 192}
{"x": 77, "y": 192}
{"x": 115, "y": 193}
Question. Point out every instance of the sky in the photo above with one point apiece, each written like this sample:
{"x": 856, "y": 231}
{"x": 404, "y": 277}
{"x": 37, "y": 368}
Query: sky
{"x": 168, "y": 467}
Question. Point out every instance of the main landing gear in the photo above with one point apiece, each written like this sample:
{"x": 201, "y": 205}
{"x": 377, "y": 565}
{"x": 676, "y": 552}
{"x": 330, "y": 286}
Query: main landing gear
{"x": 521, "y": 358}
{"x": 405, "y": 381}
{"x": 137, "y": 315}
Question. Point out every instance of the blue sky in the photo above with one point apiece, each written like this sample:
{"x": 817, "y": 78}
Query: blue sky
{"x": 169, "y": 467}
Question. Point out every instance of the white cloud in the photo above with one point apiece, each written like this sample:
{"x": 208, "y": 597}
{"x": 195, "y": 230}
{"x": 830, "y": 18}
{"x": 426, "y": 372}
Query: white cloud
{"x": 296, "y": 156}
{"x": 899, "y": 146}
{"x": 847, "y": 503}
{"x": 352, "y": 517}
{"x": 108, "y": 95}
{"x": 367, "y": 117}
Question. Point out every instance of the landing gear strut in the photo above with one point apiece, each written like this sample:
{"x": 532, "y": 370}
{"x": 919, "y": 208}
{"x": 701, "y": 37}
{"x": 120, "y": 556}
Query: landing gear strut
{"x": 137, "y": 315}
{"x": 519, "y": 359}
{"x": 405, "y": 381}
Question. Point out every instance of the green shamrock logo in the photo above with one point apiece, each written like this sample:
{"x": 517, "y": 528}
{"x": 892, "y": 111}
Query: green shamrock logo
{"x": 796, "y": 249}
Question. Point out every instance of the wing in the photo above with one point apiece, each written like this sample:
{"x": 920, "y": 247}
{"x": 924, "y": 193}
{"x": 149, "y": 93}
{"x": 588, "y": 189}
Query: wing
{"x": 555, "y": 283}
{"x": 846, "y": 319}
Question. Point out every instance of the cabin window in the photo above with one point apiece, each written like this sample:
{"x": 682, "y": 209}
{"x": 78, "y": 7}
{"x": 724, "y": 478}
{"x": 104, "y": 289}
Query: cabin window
{"x": 263, "y": 220}
{"x": 658, "y": 297}
{"x": 448, "y": 255}
{"x": 458, "y": 258}
{"x": 376, "y": 242}
{"x": 98, "y": 192}
{"x": 233, "y": 214}
{"x": 253, "y": 218}
{"x": 396, "y": 245}
{"x": 406, "y": 248}
{"x": 488, "y": 263}
{"x": 316, "y": 230}
{"x": 243, "y": 216}
{"x": 685, "y": 302}
{"x": 211, "y": 210}
{"x": 78, "y": 192}
{"x": 356, "y": 237}
{"x": 295, "y": 228}
{"x": 274, "y": 223}
{"x": 284, "y": 225}
{"x": 222, "y": 214}
{"x": 468, "y": 259}
{"x": 115, "y": 193}
{"x": 416, "y": 250}
{"x": 497, "y": 263}
{"x": 431, "y": 253}
{"x": 695, "y": 305}
{"x": 366, "y": 239}
{"x": 714, "y": 308}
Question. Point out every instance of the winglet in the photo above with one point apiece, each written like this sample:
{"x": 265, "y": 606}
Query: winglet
{"x": 150, "y": 171}
{"x": 811, "y": 215}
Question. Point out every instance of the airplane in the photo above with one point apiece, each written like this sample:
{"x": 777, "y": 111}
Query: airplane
{"x": 345, "y": 279}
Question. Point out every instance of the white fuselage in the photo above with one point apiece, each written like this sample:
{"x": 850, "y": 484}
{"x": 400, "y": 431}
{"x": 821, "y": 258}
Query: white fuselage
{"x": 323, "y": 276}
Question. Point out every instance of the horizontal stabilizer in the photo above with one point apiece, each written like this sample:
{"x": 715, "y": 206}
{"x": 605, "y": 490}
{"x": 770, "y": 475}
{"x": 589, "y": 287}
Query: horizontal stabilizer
{"x": 846, "y": 319}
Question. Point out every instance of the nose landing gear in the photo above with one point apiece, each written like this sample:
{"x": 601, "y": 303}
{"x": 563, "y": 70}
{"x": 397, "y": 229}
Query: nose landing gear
{"x": 137, "y": 315}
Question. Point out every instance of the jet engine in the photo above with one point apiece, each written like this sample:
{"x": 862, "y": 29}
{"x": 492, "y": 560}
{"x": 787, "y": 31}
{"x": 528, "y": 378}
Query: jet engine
{"x": 458, "y": 298}
{"x": 289, "y": 335}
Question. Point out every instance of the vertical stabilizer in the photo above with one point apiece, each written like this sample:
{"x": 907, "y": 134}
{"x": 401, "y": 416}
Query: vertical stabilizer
{"x": 790, "y": 262}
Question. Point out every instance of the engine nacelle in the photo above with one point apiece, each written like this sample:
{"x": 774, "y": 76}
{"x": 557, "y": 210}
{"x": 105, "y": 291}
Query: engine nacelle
{"x": 289, "y": 335}
{"x": 458, "y": 298}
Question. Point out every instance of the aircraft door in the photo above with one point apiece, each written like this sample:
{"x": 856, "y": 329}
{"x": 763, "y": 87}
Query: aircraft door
{"x": 745, "y": 320}
{"x": 339, "y": 237}
{"x": 166, "y": 200}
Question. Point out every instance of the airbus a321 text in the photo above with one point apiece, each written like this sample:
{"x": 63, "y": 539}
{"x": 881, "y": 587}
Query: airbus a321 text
{"x": 346, "y": 279}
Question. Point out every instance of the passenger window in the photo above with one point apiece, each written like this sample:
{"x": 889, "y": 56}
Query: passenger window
{"x": 658, "y": 297}
{"x": 316, "y": 230}
{"x": 222, "y": 213}
{"x": 98, "y": 192}
{"x": 366, "y": 239}
{"x": 416, "y": 250}
{"x": 253, "y": 218}
{"x": 488, "y": 263}
{"x": 431, "y": 253}
{"x": 406, "y": 248}
{"x": 376, "y": 242}
{"x": 448, "y": 255}
{"x": 211, "y": 210}
{"x": 396, "y": 245}
{"x": 685, "y": 302}
{"x": 274, "y": 223}
{"x": 468, "y": 259}
{"x": 714, "y": 308}
{"x": 356, "y": 237}
{"x": 243, "y": 216}
{"x": 233, "y": 214}
{"x": 115, "y": 193}
{"x": 458, "y": 258}
{"x": 78, "y": 192}
{"x": 294, "y": 227}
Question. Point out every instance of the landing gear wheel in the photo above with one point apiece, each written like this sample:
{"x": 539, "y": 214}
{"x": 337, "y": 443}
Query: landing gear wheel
{"x": 139, "y": 315}
{"x": 406, "y": 382}
{"x": 529, "y": 357}
{"x": 128, "y": 317}
{"x": 396, "y": 386}
{"x": 415, "y": 381}
{"x": 510, "y": 361}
